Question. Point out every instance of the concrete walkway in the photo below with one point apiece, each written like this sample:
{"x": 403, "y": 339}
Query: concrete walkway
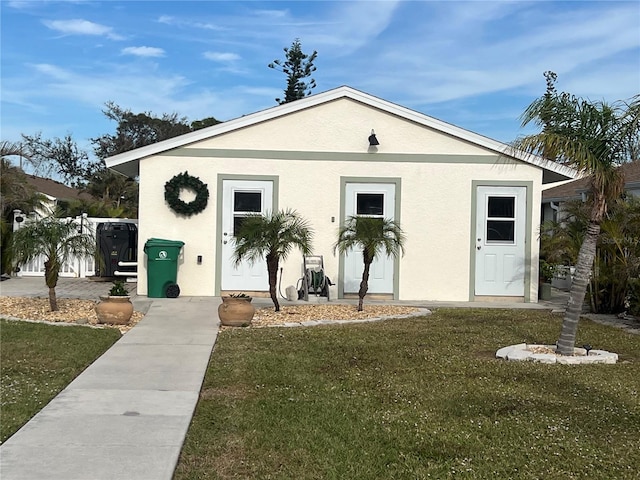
{"x": 126, "y": 416}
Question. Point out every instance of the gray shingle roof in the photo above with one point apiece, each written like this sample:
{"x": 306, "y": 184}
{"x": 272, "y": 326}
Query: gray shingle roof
{"x": 56, "y": 189}
{"x": 574, "y": 189}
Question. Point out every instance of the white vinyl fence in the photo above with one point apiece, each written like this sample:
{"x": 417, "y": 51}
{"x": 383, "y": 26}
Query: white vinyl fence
{"x": 76, "y": 267}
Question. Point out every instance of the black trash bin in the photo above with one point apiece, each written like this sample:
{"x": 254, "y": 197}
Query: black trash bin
{"x": 117, "y": 242}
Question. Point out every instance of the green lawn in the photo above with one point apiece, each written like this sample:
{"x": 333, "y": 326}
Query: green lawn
{"x": 37, "y": 361}
{"x": 414, "y": 399}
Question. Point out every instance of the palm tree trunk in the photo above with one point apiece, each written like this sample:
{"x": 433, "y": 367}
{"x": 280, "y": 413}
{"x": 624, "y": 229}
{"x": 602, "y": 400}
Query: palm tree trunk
{"x": 53, "y": 301}
{"x": 51, "y": 271}
{"x": 364, "y": 285}
{"x": 584, "y": 265}
{"x": 272, "y": 268}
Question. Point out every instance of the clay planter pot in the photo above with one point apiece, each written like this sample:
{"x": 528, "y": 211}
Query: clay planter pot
{"x": 236, "y": 311}
{"x": 114, "y": 310}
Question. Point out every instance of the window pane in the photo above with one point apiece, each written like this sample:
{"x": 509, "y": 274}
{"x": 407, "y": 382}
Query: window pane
{"x": 237, "y": 224}
{"x": 500, "y": 231}
{"x": 370, "y": 204}
{"x": 501, "y": 207}
{"x": 247, "y": 202}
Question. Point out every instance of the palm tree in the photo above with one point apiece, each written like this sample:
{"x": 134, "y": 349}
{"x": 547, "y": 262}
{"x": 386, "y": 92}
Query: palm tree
{"x": 272, "y": 236}
{"x": 115, "y": 191}
{"x": 58, "y": 241}
{"x": 8, "y": 149}
{"x": 595, "y": 138}
{"x": 15, "y": 194}
{"x": 374, "y": 236}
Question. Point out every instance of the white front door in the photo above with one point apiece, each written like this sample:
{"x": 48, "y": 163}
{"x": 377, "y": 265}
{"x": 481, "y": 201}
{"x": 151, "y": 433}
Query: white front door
{"x": 239, "y": 199}
{"x": 372, "y": 200}
{"x": 500, "y": 241}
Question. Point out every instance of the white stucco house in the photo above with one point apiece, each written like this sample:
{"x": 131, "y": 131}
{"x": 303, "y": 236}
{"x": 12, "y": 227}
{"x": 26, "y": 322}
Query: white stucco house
{"x": 469, "y": 206}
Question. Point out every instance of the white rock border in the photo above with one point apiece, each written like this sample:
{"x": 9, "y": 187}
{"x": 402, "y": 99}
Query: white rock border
{"x": 522, "y": 353}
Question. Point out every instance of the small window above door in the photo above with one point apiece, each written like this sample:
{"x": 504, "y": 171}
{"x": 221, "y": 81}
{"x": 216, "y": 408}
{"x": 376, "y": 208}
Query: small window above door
{"x": 370, "y": 204}
{"x": 247, "y": 202}
{"x": 244, "y": 204}
{"x": 501, "y": 207}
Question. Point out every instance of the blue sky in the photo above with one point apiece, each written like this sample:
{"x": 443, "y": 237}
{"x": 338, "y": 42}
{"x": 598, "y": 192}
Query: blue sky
{"x": 474, "y": 64}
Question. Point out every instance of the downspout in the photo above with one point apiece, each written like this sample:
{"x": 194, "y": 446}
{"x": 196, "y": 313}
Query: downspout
{"x": 555, "y": 209}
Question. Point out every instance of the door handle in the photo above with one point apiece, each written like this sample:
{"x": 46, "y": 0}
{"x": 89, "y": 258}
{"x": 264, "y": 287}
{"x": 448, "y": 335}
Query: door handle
{"x": 479, "y": 246}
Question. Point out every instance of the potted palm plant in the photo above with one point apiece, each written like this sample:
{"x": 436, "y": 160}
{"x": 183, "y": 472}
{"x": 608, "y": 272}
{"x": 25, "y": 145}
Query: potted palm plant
{"x": 115, "y": 308}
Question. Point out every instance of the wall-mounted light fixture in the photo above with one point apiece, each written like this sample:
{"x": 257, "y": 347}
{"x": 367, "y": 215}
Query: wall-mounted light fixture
{"x": 373, "y": 141}
{"x": 18, "y": 218}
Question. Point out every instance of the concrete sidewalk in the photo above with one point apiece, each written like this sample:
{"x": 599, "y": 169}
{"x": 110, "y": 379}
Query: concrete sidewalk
{"x": 126, "y": 416}
{"x": 67, "y": 287}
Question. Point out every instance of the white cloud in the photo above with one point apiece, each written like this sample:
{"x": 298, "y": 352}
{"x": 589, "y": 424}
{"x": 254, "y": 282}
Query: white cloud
{"x": 143, "y": 51}
{"x": 19, "y": 4}
{"x": 52, "y": 71}
{"x": 352, "y": 26}
{"x": 271, "y": 14}
{"x": 133, "y": 87}
{"x": 186, "y": 23}
{"x": 81, "y": 27}
{"x": 221, "y": 56}
{"x": 208, "y": 26}
{"x": 259, "y": 91}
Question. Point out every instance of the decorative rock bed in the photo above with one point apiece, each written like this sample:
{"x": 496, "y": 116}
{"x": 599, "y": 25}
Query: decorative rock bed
{"x": 71, "y": 312}
{"x": 546, "y": 354}
{"x": 329, "y": 314}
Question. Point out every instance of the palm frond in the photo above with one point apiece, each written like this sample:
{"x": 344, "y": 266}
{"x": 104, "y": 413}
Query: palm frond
{"x": 54, "y": 238}
{"x": 275, "y": 233}
{"x": 373, "y": 235}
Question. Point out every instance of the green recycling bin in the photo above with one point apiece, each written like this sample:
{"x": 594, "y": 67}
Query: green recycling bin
{"x": 162, "y": 267}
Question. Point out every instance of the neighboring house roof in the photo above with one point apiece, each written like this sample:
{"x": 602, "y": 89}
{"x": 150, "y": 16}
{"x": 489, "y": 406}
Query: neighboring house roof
{"x": 55, "y": 189}
{"x": 575, "y": 189}
{"x": 128, "y": 162}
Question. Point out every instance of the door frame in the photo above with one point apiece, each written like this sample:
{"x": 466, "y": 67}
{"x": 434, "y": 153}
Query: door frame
{"x": 396, "y": 215}
{"x": 528, "y": 238}
{"x": 219, "y": 205}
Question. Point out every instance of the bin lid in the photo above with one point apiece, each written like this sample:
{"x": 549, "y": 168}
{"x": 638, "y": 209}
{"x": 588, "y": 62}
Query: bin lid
{"x": 161, "y": 242}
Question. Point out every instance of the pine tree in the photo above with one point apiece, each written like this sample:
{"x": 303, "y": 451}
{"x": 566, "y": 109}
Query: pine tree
{"x": 297, "y": 66}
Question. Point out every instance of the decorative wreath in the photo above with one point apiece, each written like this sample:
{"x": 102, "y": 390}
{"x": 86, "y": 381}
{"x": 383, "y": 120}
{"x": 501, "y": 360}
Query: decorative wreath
{"x": 181, "y": 181}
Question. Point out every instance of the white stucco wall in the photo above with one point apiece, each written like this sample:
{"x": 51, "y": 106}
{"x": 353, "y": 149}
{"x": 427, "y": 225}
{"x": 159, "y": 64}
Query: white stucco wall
{"x": 435, "y": 195}
{"x": 341, "y": 126}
